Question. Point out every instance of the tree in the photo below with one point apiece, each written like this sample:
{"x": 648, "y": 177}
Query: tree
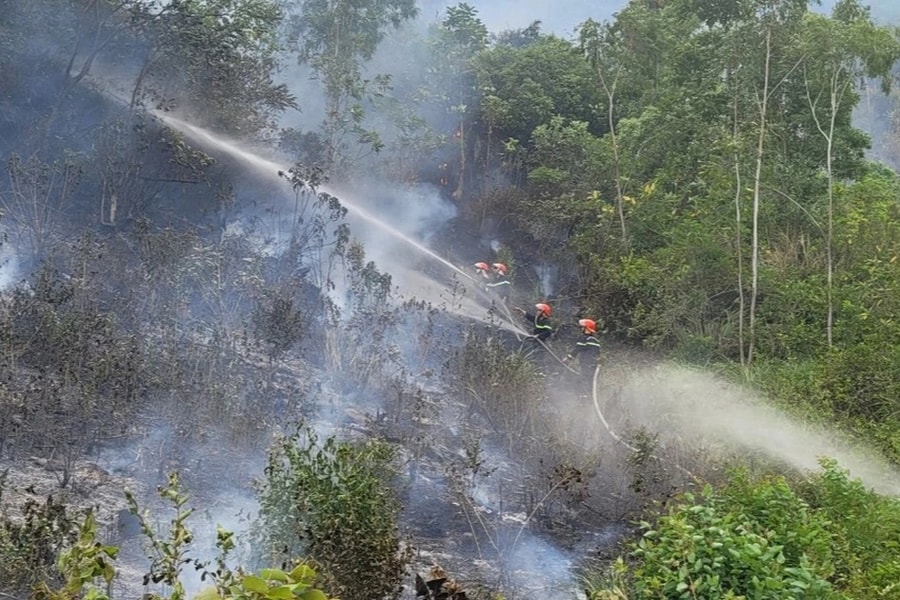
{"x": 212, "y": 59}
{"x": 335, "y": 38}
{"x": 458, "y": 39}
{"x": 842, "y": 51}
{"x": 772, "y": 19}
{"x": 598, "y": 49}
{"x": 535, "y": 82}
{"x": 330, "y": 502}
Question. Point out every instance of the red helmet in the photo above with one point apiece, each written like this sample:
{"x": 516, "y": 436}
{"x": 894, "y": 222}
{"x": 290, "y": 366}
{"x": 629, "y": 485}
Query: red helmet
{"x": 543, "y": 308}
{"x": 499, "y": 268}
{"x": 482, "y": 267}
{"x": 589, "y": 325}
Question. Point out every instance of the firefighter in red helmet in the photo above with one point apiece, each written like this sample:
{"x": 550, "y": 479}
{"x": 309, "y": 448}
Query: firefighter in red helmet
{"x": 588, "y": 347}
{"x": 540, "y": 320}
{"x": 499, "y": 283}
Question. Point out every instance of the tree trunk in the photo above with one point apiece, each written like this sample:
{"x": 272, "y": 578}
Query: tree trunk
{"x": 739, "y": 244}
{"x": 757, "y": 183}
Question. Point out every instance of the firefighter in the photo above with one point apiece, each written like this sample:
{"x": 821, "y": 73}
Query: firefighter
{"x": 483, "y": 269}
{"x": 540, "y": 320}
{"x": 587, "y": 348}
{"x": 499, "y": 284}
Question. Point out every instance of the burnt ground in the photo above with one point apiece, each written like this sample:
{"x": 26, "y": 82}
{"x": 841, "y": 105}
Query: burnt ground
{"x": 515, "y": 505}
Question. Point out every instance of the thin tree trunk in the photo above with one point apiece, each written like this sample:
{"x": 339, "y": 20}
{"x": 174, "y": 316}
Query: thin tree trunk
{"x": 620, "y": 204}
{"x": 757, "y": 182}
{"x": 835, "y": 95}
{"x": 739, "y": 245}
{"x": 829, "y": 251}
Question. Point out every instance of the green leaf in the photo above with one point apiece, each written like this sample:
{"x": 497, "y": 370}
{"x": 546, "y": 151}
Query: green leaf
{"x": 303, "y": 573}
{"x": 210, "y": 593}
{"x": 314, "y": 595}
{"x": 251, "y": 583}
{"x": 282, "y": 592}
{"x": 274, "y": 575}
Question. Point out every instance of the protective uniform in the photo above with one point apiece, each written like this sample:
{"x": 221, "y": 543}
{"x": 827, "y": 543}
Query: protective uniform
{"x": 540, "y": 320}
{"x": 588, "y": 348}
{"x": 499, "y": 284}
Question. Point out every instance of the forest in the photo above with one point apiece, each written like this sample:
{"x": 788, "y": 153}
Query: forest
{"x": 247, "y": 352}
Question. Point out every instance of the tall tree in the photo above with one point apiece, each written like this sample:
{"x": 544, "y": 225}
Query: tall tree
{"x": 772, "y": 19}
{"x": 459, "y": 38}
{"x": 212, "y": 59}
{"x": 841, "y": 52}
{"x": 335, "y": 38}
{"x": 596, "y": 44}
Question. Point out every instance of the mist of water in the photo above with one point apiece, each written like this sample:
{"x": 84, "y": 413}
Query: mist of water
{"x": 694, "y": 408}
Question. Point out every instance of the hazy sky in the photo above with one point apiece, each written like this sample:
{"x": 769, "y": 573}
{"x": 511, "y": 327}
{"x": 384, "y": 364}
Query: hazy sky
{"x": 557, "y": 16}
{"x": 562, "y": 16}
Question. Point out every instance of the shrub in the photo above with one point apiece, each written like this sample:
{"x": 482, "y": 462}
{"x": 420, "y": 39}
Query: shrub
{"x": 331, "y": 502}
{"x": 31, "y": 544}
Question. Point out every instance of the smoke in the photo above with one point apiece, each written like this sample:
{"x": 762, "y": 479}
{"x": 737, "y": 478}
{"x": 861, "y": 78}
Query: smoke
{"x": 9, "y": 267}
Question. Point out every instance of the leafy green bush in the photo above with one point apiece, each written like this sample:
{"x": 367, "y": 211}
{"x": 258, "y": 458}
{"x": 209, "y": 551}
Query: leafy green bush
{"x": 753, "y": 539}
{"x": 866, "y": 533}
{"x": 331, "y": 502}
{"x": 759, "y": 539}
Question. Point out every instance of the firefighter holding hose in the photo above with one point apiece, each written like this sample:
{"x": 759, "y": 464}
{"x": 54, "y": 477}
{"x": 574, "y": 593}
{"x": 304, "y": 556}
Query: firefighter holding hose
{"x": 540, "y": 320}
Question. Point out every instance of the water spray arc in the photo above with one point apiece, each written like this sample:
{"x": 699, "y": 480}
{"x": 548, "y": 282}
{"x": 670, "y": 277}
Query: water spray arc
{"x": 272, "y": 169}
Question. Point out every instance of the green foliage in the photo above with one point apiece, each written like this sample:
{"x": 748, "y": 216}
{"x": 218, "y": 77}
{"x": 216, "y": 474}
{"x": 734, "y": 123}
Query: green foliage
{"x": 755, "y": 540}
{"x": 335, "y": 40}
{"x": 214, "y": 59}
{"x": 331, "y": 503}
{"x": 81, "y": 565}
{"x": 534, "y": 83}
{"x": 168, "y": 555}
{"x": 757, "y": 537}
{"x": 48, "y": 536}
{"x": 268, "y": 584}
{"x": 865, "y": 528}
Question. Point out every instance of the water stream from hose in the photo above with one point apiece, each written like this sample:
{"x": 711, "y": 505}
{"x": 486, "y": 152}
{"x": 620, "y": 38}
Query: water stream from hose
{"x": 271, "y": 169}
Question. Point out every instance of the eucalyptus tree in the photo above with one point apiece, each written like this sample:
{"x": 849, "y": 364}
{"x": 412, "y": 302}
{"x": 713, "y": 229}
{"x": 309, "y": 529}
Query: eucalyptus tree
{"x": 459, "y": 37}
{"x": 842, "y": 51}
{"x": 335, "y": 38}
{"x": 595, "y": 43}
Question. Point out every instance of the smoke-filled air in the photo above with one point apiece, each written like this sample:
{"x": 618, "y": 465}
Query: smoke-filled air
{"x": 443, "y": 301}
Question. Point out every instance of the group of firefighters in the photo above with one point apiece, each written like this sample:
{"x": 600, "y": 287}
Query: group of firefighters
{"x": 586, "y": 349}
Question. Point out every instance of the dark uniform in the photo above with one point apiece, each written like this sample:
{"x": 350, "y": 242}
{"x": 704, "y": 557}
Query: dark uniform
{"x": 587, "y": 349}
{"x": 541, "y": 328}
